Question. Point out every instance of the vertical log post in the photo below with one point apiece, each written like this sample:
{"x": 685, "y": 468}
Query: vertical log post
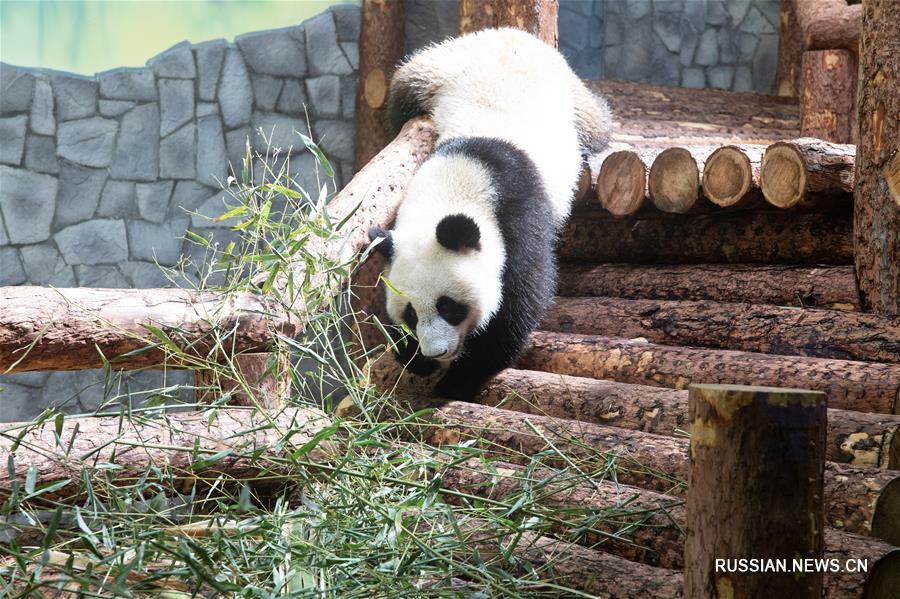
{"x": 381, "y": 46}
{"x": 268, "y": 376}
{"x": 828, "y": 98}
{"x": 790, "y": 47}
{"x": 755, "y": 489}
{"x": 537, "y": 17}
{"x": 876, "y": 219}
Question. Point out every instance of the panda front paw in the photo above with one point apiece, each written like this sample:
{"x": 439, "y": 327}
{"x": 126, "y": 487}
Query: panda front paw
{"x": 416, "y": 364}
{"x": 454, "y": 389}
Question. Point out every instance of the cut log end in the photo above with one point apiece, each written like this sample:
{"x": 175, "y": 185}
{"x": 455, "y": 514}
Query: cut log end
{"x": 622, "y": 183}
{"x": 727, "y": 176}
{"x": 886, "y": 519}
{"x": 674, "y": 181}
{"x": 583, "y": 193}
{"x": 884, "y": 580}
{"x": 783, "y": 175}
{"x": 375, "y": 88}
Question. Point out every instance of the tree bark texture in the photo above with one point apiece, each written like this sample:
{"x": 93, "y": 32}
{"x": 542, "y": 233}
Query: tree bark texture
{"x": 381, "y": 46}
{"x": 755, "y": 489}
{"x": 790, "y": 49}
{"x": 799, "y": 286}
{"x": 537, "y": 17}
{"x": 659, "y": 541}
{"x": 63, "y": 329}
{"x": 829, "y": 24}
{"x": 877, "y": 195}
{"x": 855, "y": 497}
{"x": 860, "y": 386}
{"x": 828, "y": 99}
{"x": 637, "y": 524}
{"x": 697, "y": 115}
{"x": 750, "y": 327}
{"x": 793, "y": 172}
{"x": 178, "y": 443}
{"x": 765, "y": 237}
{"x": 857, "y": 438}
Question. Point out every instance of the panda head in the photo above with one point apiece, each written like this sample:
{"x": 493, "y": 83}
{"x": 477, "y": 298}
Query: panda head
{"x": 444, "y": 282}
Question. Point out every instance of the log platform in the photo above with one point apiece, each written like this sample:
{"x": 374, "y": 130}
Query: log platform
{"x": 711, "y": 244}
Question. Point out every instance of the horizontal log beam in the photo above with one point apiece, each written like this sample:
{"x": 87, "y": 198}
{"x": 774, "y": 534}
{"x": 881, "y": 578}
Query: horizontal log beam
{"x": 791, "y": 173}
{"x": 860, "y": 500}
{"x": 857, "y": 438}
{"x": 829, "y": 24}
{"x": 177, "y": 443}
{"x": 68, "y": 329}
{"x": 658, "y": 521}
{"x": 647, "y": 112}
{"x": 850, "y": 385}
{"x": 765, "y": 236}
{"x": 750, "y": 327}
{"x": 800, "y": 286}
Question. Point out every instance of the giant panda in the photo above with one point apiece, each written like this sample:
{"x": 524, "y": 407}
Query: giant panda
{"x": 471, "y": 255}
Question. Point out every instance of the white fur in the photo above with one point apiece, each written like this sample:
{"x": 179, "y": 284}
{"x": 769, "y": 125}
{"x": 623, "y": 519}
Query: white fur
{"x": 508, "y": 84}
{"x": 501, "y": 83}
{"x": 422, "y": 270}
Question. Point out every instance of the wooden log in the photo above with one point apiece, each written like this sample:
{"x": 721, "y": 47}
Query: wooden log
{"x": 828, "y": 98}
{"x": 664, "y": 544}
{"x": 371, "y": 199}
{"x": 765, "y": 237}
{"x": 880, "y": 578}
{"x": 748, "y": 445}
{"x": 69, "y": 329}
{"x": 877, "y": 194}
{"x": 858, "y": 500}
{"x": 255, "y": 379}
{"x": 857, "y": 438}
{"x": 791, "y": 171}
{"x": 829, "y": 24}
{"x": 790, "y": 49}
{"x": 179, "y": 444}
{"x": 381, "y": 47}
{"x": 622, "y": 183}
{"x": 537, "y": 17}
{"x": 801, "y": 286}
{"x": 674, "y": 181}
{"x": 586, "y": 190}
{"x": 595, "y": 573}
{"x": 730, "y": 173}
{"x": 705, "y": 115}
{"x": 750, "y": 327}
{"x": 637, "y": 524}
{"x": 860, "y": 386}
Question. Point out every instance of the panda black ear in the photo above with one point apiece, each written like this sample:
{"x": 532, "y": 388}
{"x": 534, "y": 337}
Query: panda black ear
{"x": 386, "y": 246}
{"x": 459, "y": 232}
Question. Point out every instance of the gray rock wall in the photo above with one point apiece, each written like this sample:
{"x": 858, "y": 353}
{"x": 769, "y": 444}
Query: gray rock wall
{"x": 726, "y": 44}
{"x": 99, "y": 175}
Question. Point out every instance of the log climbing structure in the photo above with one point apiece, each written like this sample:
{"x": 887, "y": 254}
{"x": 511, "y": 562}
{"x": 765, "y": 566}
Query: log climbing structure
{"x": 722, "y": 239}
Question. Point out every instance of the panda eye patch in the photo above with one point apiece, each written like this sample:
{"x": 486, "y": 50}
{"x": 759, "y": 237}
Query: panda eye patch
{"x": 410, "y": 318}
{"x": 451, "y": 311}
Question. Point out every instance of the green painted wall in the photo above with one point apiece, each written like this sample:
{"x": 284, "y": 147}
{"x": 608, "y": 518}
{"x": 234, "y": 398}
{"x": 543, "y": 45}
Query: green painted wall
{"x": 87, "y": 36}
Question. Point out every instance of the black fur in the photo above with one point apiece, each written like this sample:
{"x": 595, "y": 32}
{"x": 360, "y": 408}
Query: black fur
{"x": 458, "y": 233}
{"x": 529, "y": 278}
{"x": 386, "y": 246}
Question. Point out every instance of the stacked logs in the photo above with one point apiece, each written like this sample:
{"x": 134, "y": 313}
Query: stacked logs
{"x": 800, "y": 173}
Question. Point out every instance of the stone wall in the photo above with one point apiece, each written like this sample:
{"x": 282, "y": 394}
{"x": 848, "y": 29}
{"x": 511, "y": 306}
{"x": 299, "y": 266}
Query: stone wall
{"x": 101, "y": 177}
{"x": 727, "y": 44}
